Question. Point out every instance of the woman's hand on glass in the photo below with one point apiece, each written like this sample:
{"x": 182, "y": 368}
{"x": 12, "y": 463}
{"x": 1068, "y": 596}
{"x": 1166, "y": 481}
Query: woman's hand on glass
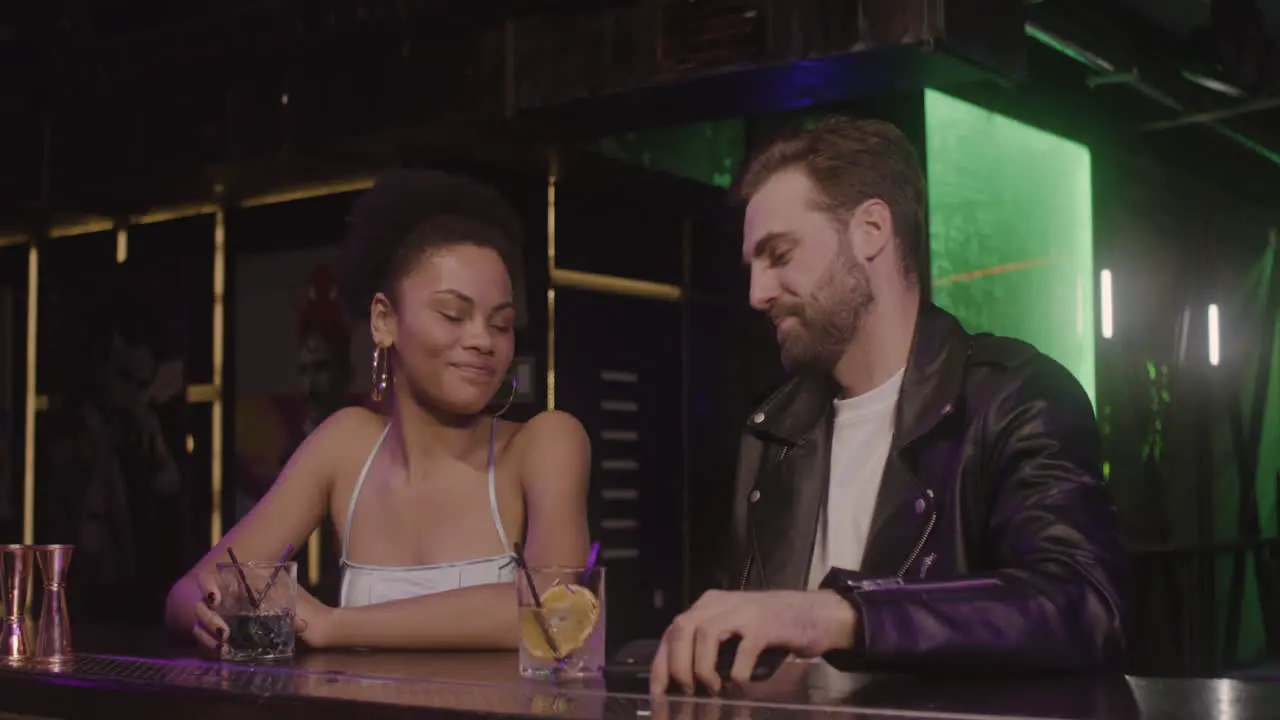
{"x": 209, "y": 629}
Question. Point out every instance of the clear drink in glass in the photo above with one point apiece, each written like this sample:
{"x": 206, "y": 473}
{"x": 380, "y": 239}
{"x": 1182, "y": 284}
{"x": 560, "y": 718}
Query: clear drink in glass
{"x": 258, "y": 601}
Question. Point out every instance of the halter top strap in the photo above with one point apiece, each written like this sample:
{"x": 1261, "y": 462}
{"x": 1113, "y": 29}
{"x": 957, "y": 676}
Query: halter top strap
{"x": 493, "y": 488}
{"x": 355, "y": 494}
{"x": 493, "y": 485}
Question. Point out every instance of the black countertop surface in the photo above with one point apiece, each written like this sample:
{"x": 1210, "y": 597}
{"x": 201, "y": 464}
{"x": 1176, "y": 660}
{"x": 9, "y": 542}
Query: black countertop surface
{"x": 136, "y": 673}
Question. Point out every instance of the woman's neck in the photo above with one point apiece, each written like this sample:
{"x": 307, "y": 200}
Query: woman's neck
{"x": 427, "y": 436}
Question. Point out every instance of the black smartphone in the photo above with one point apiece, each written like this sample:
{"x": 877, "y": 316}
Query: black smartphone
{"x": 767, "y": 663}
{"x": 627, "y": 677}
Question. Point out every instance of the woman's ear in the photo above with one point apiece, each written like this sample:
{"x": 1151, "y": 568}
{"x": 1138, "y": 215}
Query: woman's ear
{"x": 382, "y": 321}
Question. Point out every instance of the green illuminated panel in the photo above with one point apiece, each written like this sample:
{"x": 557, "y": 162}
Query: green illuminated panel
{"x": 1011, "y": 230}
{"x": 1251, "y": 641}
{"x": 1269, "y": 449}
{"x": 709, "y": 152}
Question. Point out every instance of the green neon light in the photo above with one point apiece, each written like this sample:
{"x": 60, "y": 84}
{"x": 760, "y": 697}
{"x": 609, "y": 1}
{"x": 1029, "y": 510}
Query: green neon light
{"x": 1251, "y": 298}
{"x": 709, "y": 152}
{"x": 1011, "y": 230}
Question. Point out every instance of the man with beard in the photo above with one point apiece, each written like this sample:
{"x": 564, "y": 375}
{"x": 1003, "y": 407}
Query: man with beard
{"x": 914, "y": 497}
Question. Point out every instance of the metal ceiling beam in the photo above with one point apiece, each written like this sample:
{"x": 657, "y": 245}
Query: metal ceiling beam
{"x": 1110, "y": 53}
{"x": 1252, "y": 106}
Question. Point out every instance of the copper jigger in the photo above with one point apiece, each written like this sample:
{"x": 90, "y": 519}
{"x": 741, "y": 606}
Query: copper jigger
{"x": 15, "y": 574}
{"x": 53, "y": 641}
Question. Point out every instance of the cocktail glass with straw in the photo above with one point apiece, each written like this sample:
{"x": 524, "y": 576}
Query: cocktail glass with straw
{"x": 258, "y": 601}
{"x": 562, "y": 619}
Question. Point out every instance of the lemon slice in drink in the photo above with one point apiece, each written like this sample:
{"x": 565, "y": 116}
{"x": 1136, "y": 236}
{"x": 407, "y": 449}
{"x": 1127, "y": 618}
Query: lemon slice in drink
{"x": 570, "y": 613}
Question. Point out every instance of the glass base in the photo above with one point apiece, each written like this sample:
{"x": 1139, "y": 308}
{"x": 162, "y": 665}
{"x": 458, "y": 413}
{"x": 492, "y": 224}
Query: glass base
{"x": 557, "y": 674}
{"x": 260, "y": 636}
{"x": 570, "y": 668}
{"x": 258, "y": 657}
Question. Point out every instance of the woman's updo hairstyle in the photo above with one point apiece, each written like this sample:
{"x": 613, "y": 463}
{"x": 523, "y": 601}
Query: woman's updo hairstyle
{"x": 409, "y": 214}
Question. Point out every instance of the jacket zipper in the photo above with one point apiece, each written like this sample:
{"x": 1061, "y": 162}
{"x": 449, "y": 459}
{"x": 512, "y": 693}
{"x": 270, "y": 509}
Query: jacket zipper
{"x": 895, "y": 583}
{"x": 746, "y": 566}
{"x": 746, "y": 569}
{"x": 924, "y": 537}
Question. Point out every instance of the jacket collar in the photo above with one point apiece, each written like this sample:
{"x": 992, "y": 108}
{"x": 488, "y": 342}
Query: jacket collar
{"x": 931, "y": 386}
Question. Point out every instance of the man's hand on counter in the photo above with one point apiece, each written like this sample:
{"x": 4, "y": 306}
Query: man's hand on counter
{"x": 808, "y": 624}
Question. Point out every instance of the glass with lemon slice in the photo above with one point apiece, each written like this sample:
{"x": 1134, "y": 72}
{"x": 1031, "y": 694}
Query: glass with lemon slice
{"x": 561, "y": 622}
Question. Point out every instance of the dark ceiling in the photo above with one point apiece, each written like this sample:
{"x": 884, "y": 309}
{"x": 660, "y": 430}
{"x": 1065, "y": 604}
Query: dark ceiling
{"x": 99, "y": 98}
{"x": 1205, "y": 64}
{"x": 1184, "y": 16}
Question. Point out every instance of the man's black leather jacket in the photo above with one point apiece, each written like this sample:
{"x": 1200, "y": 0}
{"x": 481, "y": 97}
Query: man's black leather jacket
{"x": 994, "y": 543}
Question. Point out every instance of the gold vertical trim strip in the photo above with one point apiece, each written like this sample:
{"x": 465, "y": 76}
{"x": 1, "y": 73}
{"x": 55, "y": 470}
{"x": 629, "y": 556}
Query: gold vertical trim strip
{"x": 215, "y": 411}
{"x": 313, "y": 558}
{"x": 29, "y": 426}
{"x": 122, "y": 245}
{"x": 551, "y": 349}
{"x": 552, "y": 173}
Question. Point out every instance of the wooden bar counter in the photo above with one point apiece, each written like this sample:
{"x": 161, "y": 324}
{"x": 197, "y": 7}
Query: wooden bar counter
{"x": 137, "y": 674}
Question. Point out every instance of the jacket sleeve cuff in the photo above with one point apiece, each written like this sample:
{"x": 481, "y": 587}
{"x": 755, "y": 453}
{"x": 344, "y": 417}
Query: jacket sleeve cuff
{"x": 846, "y": 585}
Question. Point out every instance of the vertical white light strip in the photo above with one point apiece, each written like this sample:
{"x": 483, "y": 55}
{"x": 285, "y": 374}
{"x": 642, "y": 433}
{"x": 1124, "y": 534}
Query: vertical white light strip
{"x": 1215, "y": 348}
{"x": 1184, "y": 333}
{"x": 1108, "y": 329}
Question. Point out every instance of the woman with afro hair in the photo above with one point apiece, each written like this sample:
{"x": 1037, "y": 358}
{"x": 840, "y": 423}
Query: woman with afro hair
{"x": 429, "y": 498}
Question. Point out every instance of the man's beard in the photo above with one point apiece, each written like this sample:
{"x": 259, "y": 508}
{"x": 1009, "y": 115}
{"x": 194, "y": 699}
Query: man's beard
{"x": 828, "y": 319}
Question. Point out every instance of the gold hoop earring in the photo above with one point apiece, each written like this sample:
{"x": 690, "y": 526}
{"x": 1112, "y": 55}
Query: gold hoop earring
{"x": 510, "y": 398}
{"x": 381, "y": 372}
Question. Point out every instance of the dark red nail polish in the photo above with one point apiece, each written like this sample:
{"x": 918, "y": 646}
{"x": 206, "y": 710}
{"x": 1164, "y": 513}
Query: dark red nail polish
{"x": 208, "y": 599}
{"x": 220, "y": 633}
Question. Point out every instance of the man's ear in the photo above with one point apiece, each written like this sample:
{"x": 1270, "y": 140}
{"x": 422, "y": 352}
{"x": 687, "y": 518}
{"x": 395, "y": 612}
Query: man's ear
{"x": 870, "y": 229}
{"x": 382, "y": 321}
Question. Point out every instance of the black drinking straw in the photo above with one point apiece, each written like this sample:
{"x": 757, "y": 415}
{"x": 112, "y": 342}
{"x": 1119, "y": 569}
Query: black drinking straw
{"x": 243, "y": 580}
{"x": 537, "y": 601}
{"x": 276, "y": 573}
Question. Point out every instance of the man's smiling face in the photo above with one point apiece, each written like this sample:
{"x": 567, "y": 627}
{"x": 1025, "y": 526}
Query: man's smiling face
{"x": 804, "y": 272}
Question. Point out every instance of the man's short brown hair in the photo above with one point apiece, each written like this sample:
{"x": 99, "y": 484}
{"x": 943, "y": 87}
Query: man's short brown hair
{"x": 849, "y": 162}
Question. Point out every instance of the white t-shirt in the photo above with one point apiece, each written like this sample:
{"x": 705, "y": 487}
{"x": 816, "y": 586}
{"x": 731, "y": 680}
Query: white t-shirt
{"x": 861, "y": 437}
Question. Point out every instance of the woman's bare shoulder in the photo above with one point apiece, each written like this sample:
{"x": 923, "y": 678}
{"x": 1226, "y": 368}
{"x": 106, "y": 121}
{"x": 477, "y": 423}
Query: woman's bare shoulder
{"x": 354, "y": 418}
{"x": 551, "y": 432}
{"x": 553, "y": 425}
{"x": 346, "y": 434}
